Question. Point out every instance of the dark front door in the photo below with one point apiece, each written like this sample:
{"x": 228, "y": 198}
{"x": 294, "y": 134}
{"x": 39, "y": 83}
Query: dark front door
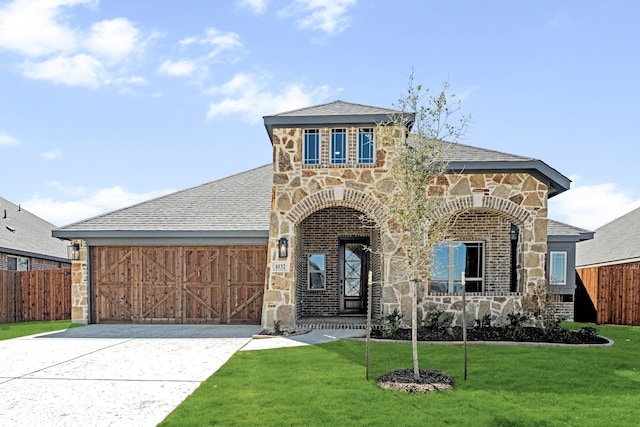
{"x": 353, "y": 274}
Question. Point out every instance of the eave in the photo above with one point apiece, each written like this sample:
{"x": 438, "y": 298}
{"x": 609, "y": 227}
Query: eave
{"x": 272, "y": 122}
{"x": 556, "y": 182}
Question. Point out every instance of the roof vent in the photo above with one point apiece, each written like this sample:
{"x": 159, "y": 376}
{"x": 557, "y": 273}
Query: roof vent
{"x": 11, "y": 229}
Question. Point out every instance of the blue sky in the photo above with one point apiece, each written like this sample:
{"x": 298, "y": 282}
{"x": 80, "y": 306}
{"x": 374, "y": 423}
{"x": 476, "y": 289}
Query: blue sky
{"x": 108, "y": 103}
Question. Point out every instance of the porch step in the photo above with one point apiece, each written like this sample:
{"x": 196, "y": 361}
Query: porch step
{"x": 343, "y": 322}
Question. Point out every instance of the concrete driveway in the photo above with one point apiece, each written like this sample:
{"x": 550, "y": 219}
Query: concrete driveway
{"x": 124, "y": 375}
{"x": 102, "y": 375}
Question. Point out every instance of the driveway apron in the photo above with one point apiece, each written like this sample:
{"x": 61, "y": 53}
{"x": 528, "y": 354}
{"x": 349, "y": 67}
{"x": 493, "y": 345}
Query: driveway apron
{"x": 101, "y": 375}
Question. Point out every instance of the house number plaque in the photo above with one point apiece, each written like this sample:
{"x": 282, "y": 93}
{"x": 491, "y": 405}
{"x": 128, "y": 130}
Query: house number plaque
{"x": 280, "y": 267}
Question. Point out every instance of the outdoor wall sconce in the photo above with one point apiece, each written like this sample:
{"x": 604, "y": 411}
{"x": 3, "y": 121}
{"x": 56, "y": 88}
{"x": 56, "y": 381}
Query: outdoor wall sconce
{"x": 283, "y": 247}
{"x": 514, "y": 232}
{"x": 73, "y": 251}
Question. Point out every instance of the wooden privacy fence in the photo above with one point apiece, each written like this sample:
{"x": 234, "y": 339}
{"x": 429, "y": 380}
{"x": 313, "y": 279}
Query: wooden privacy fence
{"x": 40, "y": 295}
{"x": 614, "y": 291}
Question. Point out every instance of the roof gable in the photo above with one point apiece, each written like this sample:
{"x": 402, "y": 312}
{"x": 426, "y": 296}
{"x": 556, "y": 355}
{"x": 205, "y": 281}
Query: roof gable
{"x": 332, "y": 113}
{"x": 335, "y": 108}
{"x": 23, "y": 233}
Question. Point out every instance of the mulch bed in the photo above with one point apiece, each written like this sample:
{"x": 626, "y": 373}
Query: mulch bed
{"x": 404, "y": 380}
{"x": 498, "y": 333}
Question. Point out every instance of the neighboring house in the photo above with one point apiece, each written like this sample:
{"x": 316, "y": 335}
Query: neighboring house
{"x": 26, "y": 242}
{"x": 283, "y": 243}
{"x": 609, "y": 271}
{"x": 561, "y": 263}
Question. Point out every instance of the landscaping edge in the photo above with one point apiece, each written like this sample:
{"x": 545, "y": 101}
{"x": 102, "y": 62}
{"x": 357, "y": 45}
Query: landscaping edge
{"x": 506, "y": 343}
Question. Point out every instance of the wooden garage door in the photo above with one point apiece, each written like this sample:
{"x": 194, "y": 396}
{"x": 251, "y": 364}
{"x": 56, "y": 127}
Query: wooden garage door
{"x": 178, "y": 284}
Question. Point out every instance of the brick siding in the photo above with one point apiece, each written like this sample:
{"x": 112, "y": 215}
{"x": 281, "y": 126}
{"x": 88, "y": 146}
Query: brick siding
{"x": 494, "y": 231}
{"x": 34, "y": 263}
{"x": 320, "y": 233}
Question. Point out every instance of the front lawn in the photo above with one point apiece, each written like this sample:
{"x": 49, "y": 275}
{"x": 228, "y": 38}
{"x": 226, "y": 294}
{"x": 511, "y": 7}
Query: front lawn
{"x": 506, "y": 386}
{"x": 22, "y": 329}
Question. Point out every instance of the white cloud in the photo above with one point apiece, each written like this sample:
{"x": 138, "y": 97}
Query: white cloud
{"x": 214, "y": 40}
{"x": 257, "y": 6}
{"x": 77, "y": 70}
{"x": 178, "y": 68}
{"x": 329, "y": 16}
{"x": 113, "y": 39}
{"x": 248, "y": 95}
{"x": 53, "y": 154}
{"x": 197, "y": 53}
{"x": 6, "y": 139}
{"x": 66, "y": 212}
{"x": 37, "y": 27}
{"x": 55, "y": 51}
{"x": 592, "y": 206}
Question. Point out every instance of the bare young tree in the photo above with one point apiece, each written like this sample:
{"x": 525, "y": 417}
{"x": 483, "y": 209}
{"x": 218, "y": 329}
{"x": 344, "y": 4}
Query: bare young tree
{"x": 416, "y": 159}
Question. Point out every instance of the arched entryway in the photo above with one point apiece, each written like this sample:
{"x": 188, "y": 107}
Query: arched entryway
{"x": 336, "y": 251}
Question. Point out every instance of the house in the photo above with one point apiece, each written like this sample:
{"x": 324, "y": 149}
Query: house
{"x": 609, "y": 273}
{"x": 283, "y": 243}
{"x": 26, "y": 242}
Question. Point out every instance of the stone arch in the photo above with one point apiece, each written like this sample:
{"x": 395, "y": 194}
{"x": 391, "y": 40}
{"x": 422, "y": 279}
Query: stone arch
{"x": 504, "y": 206}
{"x": 337, "y": 196}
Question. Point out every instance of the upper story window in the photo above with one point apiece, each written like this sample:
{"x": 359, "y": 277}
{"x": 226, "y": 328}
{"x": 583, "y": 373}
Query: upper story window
{"x": 450, "y": 260}
{"x": 365, "y": 146}
{"x": 558, "y": 268}
{"x": 338, "y": 146}
{"x": 17, "y": 263}
{"x": 311, "y": 149}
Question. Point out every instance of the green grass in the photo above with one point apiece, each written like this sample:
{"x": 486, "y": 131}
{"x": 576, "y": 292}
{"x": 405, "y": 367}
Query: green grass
{"x": 506, "y": 386}
{"x": 22, "y": 329}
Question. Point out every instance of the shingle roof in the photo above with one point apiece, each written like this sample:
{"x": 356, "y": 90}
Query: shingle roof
{"x": 332, "y": 113}
{"x": 335, "y": 108}
{"x": 466, "y": 153}
{"x": 238, "y": 203}
{"x": 466, "y": 158}
{"x": 242, "y": 202}
{"x": 23, "y": 233}
{"x": 615, "y": 242}
{"x": 559, "y": 231}
{"x": 460, "y": 157}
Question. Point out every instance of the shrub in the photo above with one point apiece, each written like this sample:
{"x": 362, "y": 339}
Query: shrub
{"x": 517, "y": 320}
{"x": 588, "y": 331}
{"x": 391, "y": 323}
{"x": 484, "y": 322}
{"x": 438, "y": 319}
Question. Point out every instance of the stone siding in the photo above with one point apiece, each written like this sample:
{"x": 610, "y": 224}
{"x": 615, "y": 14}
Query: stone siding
{"x": 497, "y": 306}
{"x": 495, "y": 200}
{"x": 80, "y": 287}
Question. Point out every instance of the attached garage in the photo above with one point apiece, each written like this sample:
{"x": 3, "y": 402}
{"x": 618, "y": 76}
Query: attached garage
{"x": 194, "y": 256}
{"x": 141, "y": 284}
